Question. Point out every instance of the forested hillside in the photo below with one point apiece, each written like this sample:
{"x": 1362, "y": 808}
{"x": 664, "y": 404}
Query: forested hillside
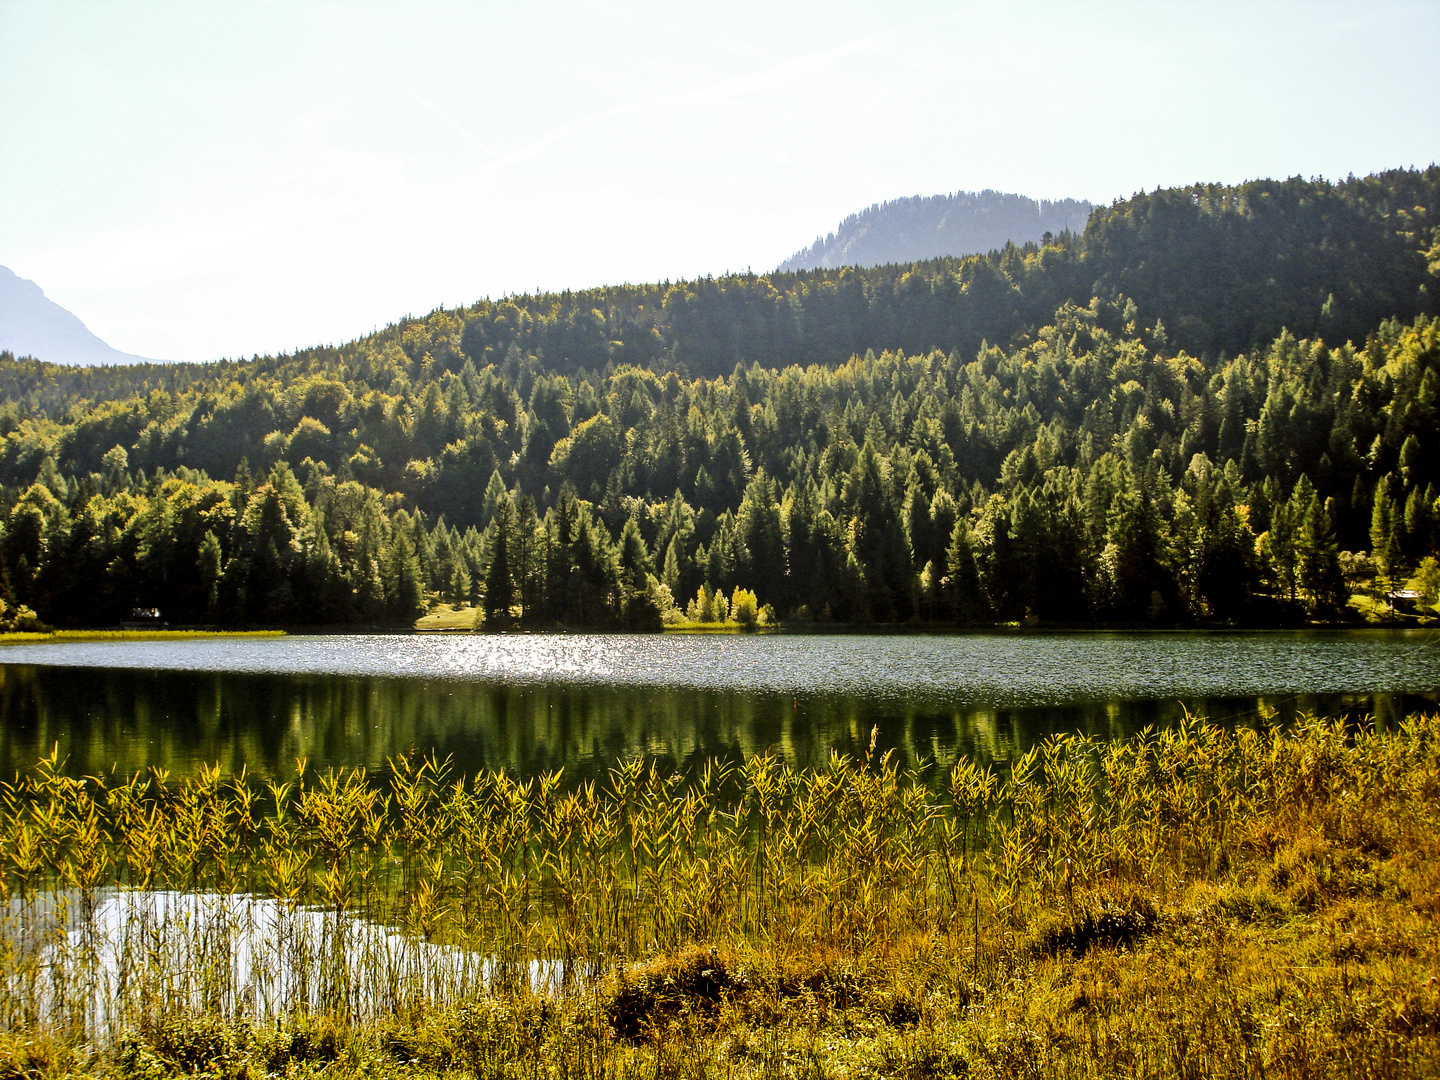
{"x": 1185, "y": 415}
{"x": 963, "y": 223}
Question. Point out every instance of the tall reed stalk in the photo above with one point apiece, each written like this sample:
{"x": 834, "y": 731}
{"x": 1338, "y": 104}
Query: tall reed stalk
{"x": 355, "y": 895}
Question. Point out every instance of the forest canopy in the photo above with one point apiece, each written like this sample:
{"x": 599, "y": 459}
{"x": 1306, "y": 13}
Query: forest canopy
{"x": 1216, "y": 405}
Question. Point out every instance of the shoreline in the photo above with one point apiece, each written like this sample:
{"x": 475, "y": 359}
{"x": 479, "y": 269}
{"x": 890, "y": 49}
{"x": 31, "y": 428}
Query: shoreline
{"x": 718, "y": 629}
{"x": 59, "y": 636}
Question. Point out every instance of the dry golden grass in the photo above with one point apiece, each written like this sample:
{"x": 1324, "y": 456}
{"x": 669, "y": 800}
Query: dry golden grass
{"x": 449, "y": 617}
{"x": 1194, "y": 902}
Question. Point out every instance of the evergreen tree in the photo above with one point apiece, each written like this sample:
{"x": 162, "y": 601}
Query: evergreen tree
{"x": 877, "y": 538}
{"x": 640, "y": 609}
{"x": 500, "y": 574}
{"x": 1142, "y": 589}
{"x": 962, "y": 598}
{"x": 404, "y": 578}
{"x": 208, "y": 568}
{"x": 761, "y": 535}
{"x": 1318, "y": 557}
{"x": 1384, "y": 538}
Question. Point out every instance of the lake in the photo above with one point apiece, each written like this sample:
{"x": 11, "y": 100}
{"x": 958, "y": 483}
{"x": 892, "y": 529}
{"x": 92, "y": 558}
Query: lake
{"x": 530, "y": 703}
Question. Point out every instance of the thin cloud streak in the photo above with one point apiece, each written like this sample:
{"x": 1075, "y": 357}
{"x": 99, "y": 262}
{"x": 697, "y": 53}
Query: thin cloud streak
{"x": 722, "y": 89}
{"x": 466, "y": 133}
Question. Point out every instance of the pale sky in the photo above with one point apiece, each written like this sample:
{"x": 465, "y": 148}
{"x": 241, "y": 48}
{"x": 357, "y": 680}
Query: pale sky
{"x": 207, "y": 178}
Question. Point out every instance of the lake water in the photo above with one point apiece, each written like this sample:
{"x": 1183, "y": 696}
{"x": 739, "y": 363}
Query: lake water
{"x": 226, "y": 954}
{"x": 528, "y": 703}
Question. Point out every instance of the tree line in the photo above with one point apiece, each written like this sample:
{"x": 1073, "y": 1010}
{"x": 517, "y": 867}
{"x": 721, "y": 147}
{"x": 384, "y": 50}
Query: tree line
{"x": 1235, "y": 421}
{"x": 1091, "y": 473}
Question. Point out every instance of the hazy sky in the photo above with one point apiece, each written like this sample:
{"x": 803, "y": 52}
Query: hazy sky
{"x": 224, "y": 177}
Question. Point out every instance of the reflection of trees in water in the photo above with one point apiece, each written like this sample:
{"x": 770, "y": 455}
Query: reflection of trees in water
{"x": 178, "y": 720}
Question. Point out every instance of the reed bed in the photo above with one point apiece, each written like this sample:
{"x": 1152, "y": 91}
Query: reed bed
{"x": 1194, "y": 901}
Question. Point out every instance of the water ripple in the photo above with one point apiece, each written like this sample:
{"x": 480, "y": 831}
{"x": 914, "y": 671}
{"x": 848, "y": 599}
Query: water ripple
{"x": 1021, "y": 669}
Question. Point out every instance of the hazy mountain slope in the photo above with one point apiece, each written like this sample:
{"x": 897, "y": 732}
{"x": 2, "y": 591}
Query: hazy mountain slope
{"x": 965, "y": 223}
{"x": 1224, "y": 268}
{"x": 33, "y": 325}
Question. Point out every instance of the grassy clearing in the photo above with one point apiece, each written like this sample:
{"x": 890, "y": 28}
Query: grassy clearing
{"x": 131, "y": 635}
{"x": 446, "y": 617}
{"x": 1371, "y": 608}
{"x": 1376, "y": 611}
{"x": 1189, "y": 903}
{"x": 729, "y": 626}
{"x": 467, "y": 617}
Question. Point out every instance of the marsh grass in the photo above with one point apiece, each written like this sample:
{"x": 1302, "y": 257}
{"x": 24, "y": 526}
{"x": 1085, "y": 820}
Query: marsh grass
{"x": 1191, "y": 902}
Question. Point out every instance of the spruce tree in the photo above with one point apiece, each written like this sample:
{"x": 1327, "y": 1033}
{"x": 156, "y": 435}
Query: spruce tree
{"x": 499, "y": 574}
{"x": 1384, "y": 538}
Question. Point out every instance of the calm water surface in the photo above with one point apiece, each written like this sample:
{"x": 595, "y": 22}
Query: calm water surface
{"x": 533, "y": 702}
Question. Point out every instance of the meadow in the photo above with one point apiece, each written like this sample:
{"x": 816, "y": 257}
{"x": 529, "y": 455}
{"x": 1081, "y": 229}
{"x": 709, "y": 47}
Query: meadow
{"x": 1195, "y": 901}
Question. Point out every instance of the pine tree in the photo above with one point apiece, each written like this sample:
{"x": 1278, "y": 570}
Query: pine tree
{"x": 671, "y": 574}
{"x": 918, "y": 521}
{"x": 495, "y": 495}
{"x": 404, "y": 579}
{"x": 1419, "y": 527}
{"x": 963, "y": 600}
{"x": 208, "y": 568}
{"x": 877, "y": 538}
{"x": 635, "y": 564}
{"x": 1318, "y": 559}
{"x": 1142, "y": 586}
{"x": 761, "y": 534}
{"x": 526, "y": 555}
{"x": 1384, "y": 538}
{"x": 499, "y": 573}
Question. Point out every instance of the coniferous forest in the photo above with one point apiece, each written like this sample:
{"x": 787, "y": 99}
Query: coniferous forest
{"x": 1216, "y": 405}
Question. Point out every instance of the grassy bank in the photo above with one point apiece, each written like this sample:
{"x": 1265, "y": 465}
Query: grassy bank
{"x": 729, "y": 626}
{"x": 130, "y": 635}
{"x": 1190, "y": 903}
{"x": 449, "y": 617}
{"x": 460, "y": 620}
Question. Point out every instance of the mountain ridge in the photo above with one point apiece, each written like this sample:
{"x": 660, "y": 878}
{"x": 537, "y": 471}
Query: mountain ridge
{"x": 922, "y": 227}
{"x": 31, "y": 324}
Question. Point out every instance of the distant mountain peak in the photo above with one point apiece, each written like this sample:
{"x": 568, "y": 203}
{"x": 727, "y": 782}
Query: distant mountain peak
{"x": 930, "y": 227}
{"x": 31, "y": 324}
